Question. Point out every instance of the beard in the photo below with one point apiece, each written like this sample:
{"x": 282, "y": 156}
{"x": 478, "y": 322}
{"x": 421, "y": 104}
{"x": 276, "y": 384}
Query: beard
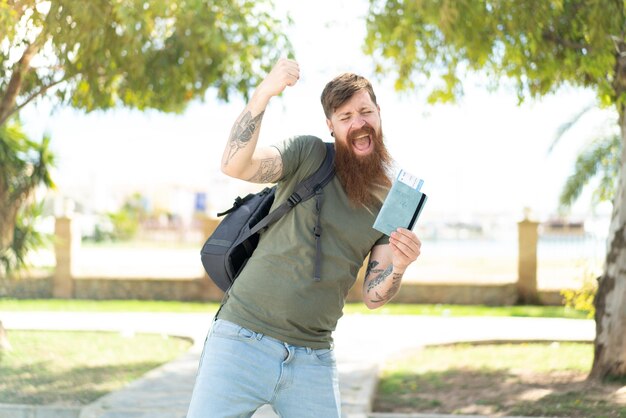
{"x": 361, "y": 174}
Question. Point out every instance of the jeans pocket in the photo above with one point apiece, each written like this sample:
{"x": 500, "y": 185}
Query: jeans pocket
{"x": 325, "y": 356}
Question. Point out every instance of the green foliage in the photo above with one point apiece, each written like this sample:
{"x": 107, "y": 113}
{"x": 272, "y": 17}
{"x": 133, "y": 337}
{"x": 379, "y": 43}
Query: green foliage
{"x": 25, "y": 166}
{"x": 600, "y": 159}
{"x": 99, "y": 54}
{"x": 539, "y": 44}
{"x": 581, "y": 299}
{"x": 25, "y": 163}
{"x": 26, "y": 238}
{"x": 159, "y": 54}
{"x": 127, "y": 220}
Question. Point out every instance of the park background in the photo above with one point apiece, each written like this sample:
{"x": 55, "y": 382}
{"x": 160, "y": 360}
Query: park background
{"x": 486, "y": 165}
{"x": 485, "y": 160}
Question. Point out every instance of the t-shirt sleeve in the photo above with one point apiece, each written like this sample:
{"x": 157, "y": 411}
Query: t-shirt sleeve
{"x": 383, "y": 240}
{"x": 301, "y": 156}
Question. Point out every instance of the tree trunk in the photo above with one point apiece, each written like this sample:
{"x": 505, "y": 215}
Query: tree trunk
{"x": 8, "y": 215}
{"x": 9, "y": 98}
{"x": 610, "y": 300}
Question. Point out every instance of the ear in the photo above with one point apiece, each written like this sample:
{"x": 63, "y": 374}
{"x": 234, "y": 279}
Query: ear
{"x": 330, "y": 125}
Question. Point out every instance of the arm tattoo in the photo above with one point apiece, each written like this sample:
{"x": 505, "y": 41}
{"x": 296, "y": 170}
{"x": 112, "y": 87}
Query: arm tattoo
{"x": 379, "y": 279}
{"x": 242, "y": 133}
{"x": 395, "y": 285}
{"x": 268, "y": 171}
{"x": 370, "y": 268}
{"x": 396, "y": 280}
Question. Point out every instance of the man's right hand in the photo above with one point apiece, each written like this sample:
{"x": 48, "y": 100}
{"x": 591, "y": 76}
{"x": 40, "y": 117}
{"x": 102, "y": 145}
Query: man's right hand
{"x": 285, "y": 73}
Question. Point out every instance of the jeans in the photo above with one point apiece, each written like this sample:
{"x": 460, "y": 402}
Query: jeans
{"x": 241, "y": 370}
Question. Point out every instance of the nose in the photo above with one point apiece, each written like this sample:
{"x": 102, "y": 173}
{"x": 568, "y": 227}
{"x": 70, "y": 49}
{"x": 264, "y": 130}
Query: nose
{"x": 358, "y": 122}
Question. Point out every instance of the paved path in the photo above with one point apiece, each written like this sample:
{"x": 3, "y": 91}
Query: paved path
{"x": 362, "y": 343}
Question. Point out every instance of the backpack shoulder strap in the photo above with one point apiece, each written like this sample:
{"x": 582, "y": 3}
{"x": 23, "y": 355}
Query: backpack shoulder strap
{"x": 304, "y": 190}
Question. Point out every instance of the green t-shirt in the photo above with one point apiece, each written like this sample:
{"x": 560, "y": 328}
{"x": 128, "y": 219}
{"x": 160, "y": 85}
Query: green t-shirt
{"x": 276, "y": 293}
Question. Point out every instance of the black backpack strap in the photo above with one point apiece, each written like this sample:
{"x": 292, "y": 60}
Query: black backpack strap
{"x": 303, "y": 191}
{"x": 317, "y": 231}
{"x": 309, "y": 187}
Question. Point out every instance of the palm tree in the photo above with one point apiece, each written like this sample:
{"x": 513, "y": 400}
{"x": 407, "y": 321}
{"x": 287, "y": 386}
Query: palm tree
{"x": 25, "y": 166}
{"x": 598, "y": 160}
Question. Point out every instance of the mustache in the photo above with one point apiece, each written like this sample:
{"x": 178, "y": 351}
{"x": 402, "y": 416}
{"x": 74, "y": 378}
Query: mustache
{"x": 365, "y": 129}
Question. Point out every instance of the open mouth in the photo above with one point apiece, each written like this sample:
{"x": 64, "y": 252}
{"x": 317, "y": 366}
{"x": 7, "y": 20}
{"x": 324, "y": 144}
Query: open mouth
{"x": 362, "y": 139}
{"x": 362, "y": 143}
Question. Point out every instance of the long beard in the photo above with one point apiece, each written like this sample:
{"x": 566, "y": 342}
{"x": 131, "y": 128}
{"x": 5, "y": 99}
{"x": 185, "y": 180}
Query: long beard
{"x": 359, "y": 175}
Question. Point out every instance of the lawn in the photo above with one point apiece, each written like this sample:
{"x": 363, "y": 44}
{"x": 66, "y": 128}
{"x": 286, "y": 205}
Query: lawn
{"x": 504, "y": 379}
{"x": 79, "y": 367}
{"x": 74, "y": 305}
{"x": 76, "y": 368}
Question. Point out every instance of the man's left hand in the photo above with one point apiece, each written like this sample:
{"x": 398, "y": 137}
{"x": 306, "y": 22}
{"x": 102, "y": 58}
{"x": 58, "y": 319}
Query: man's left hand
{"x": 405, "y": 246}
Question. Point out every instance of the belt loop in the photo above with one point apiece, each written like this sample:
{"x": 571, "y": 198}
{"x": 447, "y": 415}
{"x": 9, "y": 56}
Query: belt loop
{"x": 259, "y": 336}
{"x": 309, "y": 350}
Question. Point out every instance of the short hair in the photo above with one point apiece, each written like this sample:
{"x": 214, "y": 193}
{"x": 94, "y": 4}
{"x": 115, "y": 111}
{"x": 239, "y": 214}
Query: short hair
{"x": 341, "y": 89}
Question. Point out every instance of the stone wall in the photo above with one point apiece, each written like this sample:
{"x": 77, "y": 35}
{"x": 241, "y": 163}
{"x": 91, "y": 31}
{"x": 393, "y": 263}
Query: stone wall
{"x": 63, "y": 284}
{"x": 23, "y": 288}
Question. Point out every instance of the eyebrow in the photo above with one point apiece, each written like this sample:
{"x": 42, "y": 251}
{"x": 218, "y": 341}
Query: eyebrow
{"x": 366, "y": 107}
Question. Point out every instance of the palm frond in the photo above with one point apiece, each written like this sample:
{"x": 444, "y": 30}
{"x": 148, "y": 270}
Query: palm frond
{"x": 565, "y": 127}
{"x": 601, "y": 158}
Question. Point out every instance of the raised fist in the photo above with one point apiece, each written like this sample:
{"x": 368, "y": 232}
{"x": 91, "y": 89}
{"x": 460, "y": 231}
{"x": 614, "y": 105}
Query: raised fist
{"x": 285, "y": 73}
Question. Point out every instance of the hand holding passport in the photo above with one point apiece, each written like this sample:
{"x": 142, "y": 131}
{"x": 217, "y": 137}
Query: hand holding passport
{"x": 403, "y": 204}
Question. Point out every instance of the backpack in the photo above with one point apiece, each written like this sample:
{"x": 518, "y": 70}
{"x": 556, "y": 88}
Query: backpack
{"x": 226, "y": 252}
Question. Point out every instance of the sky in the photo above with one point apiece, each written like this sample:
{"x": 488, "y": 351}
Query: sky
{"x": 483, "y": 156}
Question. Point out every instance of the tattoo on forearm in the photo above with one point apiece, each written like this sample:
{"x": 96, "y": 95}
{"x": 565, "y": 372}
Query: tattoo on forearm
{"x": 371, "y": 268}
{"x": 242, "y": 133}
{"x": 395, "y": 286}
{"x": 379, "y": 279}
{"x": 382, "y": 276}
{"x": 268, "y": 171}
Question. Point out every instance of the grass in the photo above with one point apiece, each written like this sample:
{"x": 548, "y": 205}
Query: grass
{"x": 74, "y": 305}
{"x": 76, "y": 368}
{"x": 510, "y": 379}
{"x": 78, "y": 305}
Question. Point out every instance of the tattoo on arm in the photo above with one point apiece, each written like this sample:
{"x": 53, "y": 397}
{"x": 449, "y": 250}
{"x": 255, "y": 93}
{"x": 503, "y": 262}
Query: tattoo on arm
{"x": 268, "y": 171}
{"x": 371, "y": 268}
{"x": 396, "y": 280}
{"x": 395, "y": 286}
{"x": 379, "y": 279}
{"x": 242, "y": 133}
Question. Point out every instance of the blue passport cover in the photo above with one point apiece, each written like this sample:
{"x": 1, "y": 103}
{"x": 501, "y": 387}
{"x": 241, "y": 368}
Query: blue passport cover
{"x": 403, "y": 204}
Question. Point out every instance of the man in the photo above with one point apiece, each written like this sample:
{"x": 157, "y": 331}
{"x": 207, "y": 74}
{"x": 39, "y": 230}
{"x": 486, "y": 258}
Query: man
{"x": 271, "y": 342}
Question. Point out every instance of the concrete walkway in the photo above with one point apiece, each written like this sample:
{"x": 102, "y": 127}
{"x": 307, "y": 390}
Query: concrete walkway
{"x": 362, "y": 343}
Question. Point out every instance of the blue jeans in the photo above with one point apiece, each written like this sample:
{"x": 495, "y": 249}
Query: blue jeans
{"x": 241, "y": 370}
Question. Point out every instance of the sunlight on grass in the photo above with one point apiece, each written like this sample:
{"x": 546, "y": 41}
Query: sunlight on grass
{"x": 526, "y": 379}
{"x": 78, "y": 305}
{"x": 73, "y": 368}
{"x": 75, "y": 305}
{"x": 524, "y": 356}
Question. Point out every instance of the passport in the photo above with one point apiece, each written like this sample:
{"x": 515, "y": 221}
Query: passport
{"x": 403, "y": 204}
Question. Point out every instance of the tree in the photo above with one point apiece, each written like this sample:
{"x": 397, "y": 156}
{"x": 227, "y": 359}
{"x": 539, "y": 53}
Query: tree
{"x": 540, "y": 45}
{"x": 25, "y": 166}
{"x": 600, "y": 160}
{"x": 100, "y": 54}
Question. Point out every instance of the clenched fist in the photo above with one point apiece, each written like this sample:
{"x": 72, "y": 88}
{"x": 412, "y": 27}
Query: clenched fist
{"x": 285, "y": 73}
